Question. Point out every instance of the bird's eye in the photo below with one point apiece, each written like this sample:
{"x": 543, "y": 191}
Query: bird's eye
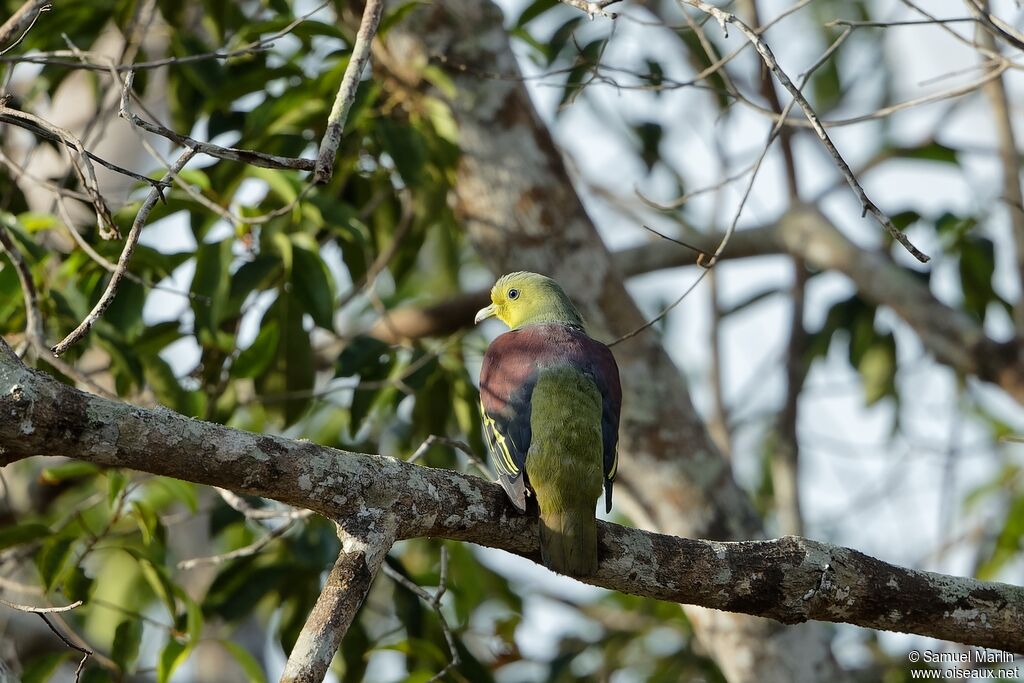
{"x": 513, "y": 294}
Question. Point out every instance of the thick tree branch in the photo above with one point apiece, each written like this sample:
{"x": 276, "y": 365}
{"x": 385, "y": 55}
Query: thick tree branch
{"x": 789, "y": 579}
{"x": 365, "y": 542}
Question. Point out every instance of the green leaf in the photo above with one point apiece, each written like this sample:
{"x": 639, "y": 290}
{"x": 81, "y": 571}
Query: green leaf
{"x": 158, "y": 580}
{"x": 240, "y": 586}
{"x": 165, "y": 386}
{"x": 211, "y": 282}
{"x": 172, "y": 656}
{"x": 74, "y": 469}
{"x": 396, "y": 15}
{"x": 40, "y": 669}
{"x": 179, "y": 490}
{"x": 147, "y": 521}
{"x": 77, "y": 586}
{"x": 977, "y": 266}
{"x": 23, "y": 533}
{"x": 51, "y": 559}
{"x": 116, "y": 481}
{"x": 878, "y": 369}
{"x": 314, "y": 287}
{"x": 250, "y": 667}
{"x": 125, "y": 312}
{"x": 296, "y": 356}
{"x": 406, "y": 146}
{"x": 127, "y": 638}
{"x": 254, "y": 360}
{"x": 534, "y": 10}
{"x": 931, "y": 151}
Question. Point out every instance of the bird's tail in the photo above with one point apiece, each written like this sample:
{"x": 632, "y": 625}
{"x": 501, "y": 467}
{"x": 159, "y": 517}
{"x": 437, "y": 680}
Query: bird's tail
{"x": 568, "y": 541}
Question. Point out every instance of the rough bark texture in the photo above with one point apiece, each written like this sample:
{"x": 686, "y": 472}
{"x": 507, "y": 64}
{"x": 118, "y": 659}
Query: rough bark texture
{"x": 789, "y": 579}
{"x": 365, "y": 542}
{"x": 523, "y": 213}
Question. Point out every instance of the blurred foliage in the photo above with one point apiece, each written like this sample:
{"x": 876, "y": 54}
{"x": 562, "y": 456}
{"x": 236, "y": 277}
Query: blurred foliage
{"x": 242, "y": 340}
{"x": 252, "y": 336}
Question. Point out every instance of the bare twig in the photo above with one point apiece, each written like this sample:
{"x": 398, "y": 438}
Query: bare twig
{"x": 724, "y": 19}
{"x": 244, "y": 156}
{"x": 246, "y": 551}
{"x": 435, "y": 604}
{"x": 48, "y": 134}
{"x": 239, "y": 504}
{"x": 887, "y": 24}
{"x": 118, "y": 275}
{"x": 82, "y": 165}
{"x": 40, "y": 610}
{"x": 457, "y": 445}
{"x": 593, "y": 8}
{"x": 86, "y": 652}
{"x": 347, "y": 91}
{"x": 22, "y": 22}
{"x": 710, "y": 262}
{"x": 58, "y": 57}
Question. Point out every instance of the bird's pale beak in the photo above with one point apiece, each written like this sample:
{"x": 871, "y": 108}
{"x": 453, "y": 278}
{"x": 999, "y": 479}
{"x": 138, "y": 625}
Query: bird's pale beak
{"x": 484, "y": 314}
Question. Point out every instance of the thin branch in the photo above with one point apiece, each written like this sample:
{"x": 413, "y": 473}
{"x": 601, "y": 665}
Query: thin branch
{"x": 40, "y": 610}
{"x": 244, "y": 156}
{"x": 888, "y": 24}
{"x": 347, "y": 90}
{"x": 994, "y": 25}
{"x": 22, "y": 22}
{"x": 457, "y": 445}
{"x": 240, "y": 505}
{"x": 82, "y": 165}
{"x": 118, "y": 275}
{"x": 54, "y": 58}
{"x": 593, "y": 9}
{"x": 48, "y": 134}
{"x": 246, "y": 551}
{"x": 709, "y": 263}
{"x": 86, "y": 652}
{"x": 726, "y": 18}
{"x": 435, "y": 604}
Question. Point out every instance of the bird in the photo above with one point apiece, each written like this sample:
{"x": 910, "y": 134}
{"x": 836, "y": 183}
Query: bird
{"x": 550, "y": 398}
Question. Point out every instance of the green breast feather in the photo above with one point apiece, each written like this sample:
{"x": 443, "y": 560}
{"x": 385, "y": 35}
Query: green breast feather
{"x": 564, "y": 466}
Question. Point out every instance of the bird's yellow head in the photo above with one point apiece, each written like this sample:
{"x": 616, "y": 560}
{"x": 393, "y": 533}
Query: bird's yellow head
{"x": 522, "y": 298}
